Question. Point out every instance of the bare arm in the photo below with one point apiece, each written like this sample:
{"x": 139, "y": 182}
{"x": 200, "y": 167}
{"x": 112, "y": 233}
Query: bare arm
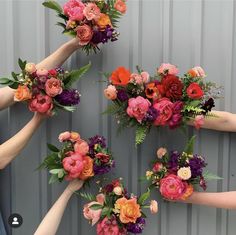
{"x": 226, "y": 200}
{"x": 6, "y": 97}
{"x": 12, "y": 147}
{"x": 52, "y": 220}
{"x": 224, "y": 121}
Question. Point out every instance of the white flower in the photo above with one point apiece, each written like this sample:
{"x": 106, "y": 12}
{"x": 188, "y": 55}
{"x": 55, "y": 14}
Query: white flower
{"x": 184, "y": 173}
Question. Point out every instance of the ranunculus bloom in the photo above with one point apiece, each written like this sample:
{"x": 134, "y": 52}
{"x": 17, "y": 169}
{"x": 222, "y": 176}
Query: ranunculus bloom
{"x": 161, "y": 152}
{"x": 129, "y": 210}
{"x": 22, "y": 93}
{"x": 64, "y": 136}
{"x": 154, "y": 91}
{"x": 184, "y": 173}
{"x": 74, "y": 10}
{"x": 103, "y": 157}
{"x": 53, "y": 87}
{"x": 84, "y": 34}
{"x": 87, "y": 171}
{"x": 42, "y": 72}
{"x": 188, "y": 192}
{"x": 164, "y": 107}
{"x": 118, "y": 190}
{"x": 120, "y": 6}
{"x": 92, "y": 215}
{"x": 153, "y": 207}
{"x": 197, "y": 72}
{"x": 110, "y": 92}
{"x": 30, "y": 68}
{"x": 194, "y": 91}
{"x": 91, "y": 11}
{"x": 172, "y": 187}
{"x": 157, "y": 167}
{"x": 74, "y": 165}
{"x": 173, "y": 87}
{"x": 199, "y": 121}
{"x": 138, "y": 107}
{"x": 120, "y": 77}
{"x": 81, "y": 147}
{"x": 168, "y": 69}
{"x": 42, "y": 104}
{"x": 103, "y": 21}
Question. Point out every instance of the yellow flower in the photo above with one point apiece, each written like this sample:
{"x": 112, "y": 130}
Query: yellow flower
{"x": 149, "y": 174}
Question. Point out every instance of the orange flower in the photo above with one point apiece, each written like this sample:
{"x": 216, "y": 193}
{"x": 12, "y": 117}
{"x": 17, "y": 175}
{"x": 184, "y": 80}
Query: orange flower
{"x": 87, "y": 172}
{"x": 192, "y": 73}
{"x": 188, "y": 192}
{"x": 120, "y": 77}
{"x": 22, "y": 93}
{"x": 120, "y": 6}
{"x": 103, "y": 21}
{"x": 154, "y": 91}
{"x": 129, "y": 210}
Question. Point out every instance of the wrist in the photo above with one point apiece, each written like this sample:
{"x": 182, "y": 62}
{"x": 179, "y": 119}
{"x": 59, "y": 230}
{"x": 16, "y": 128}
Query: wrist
{"x": 73, "y": 44}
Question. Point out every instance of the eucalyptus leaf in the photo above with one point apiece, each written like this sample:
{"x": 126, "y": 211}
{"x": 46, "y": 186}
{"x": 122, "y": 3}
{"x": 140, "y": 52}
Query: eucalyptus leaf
{"x": 53, "y": 5}
{"x": 53, "y": 179}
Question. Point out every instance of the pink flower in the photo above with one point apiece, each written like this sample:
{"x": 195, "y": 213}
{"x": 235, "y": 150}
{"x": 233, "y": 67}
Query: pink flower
{"x": 168, "y": 69}
{"x": 140, "y": 78}
{"x": 161, "y": 152}
{"x": 81, "y": 147}
{"x": 172, "y": 187}
{"x": 84, "y": 34}
{"x": 100, "y": 198}
{"x": 42, "y": 104}
{"x": 110, "y": 92}
{"x": 145, "y": 76}
{"x": 138, "y": 107}
{"x": 157, "y": 167}
{"x": 92, "y": 11}
{"x": 53, "y": 87}
{"x": 153, "y": 207}
{"x": 198, "y": 121}
{"x": 73, "y": 165}
{"x": 120, "y": 6}
{"x": 64, "y": 136}
{"x": 74, "y": 136}
{"x": 74, "y": 10}
{"x": 197, "y": 71}
{"x": 42, "y": 72}
{"x": 109, "y": 227}
{"x": 92, "y": 215}
{"x": 30, "y": 68}
{"x": 164, "y": 108}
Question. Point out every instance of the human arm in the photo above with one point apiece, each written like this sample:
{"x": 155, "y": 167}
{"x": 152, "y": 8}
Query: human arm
{"x": 52, "y": 220}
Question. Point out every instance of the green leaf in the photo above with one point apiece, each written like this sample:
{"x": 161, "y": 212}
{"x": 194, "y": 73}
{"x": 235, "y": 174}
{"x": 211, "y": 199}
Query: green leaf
{"x": 88, "y": 196}
{"x": 53, "y": 5}
{"x": 141, "y": 133}
{"x": 112, "y": 108}
{"x": 5, "y": 81}
{"x": 61, "y": 24}
{"x": 53, "y": 148}
{"x": 190, "y": 146}
{"x": 22, "y": 64}
{"x": 209, "y": 176}
{"x": 55, "y": 171}
{"x": 53, "y": 179}
{"x": 96, "y": 207}
{"x": 105, "y": 211}
{"x": 75, "y": 75}
{"x": 70, "y": 33}
{"x": 144, "y": 197}
{"x": 66, "y": 108}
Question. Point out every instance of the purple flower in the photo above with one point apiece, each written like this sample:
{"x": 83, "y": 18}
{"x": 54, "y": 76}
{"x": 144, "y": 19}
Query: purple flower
{"x": 208, "y": 105}
{"x": 68, "y": 97}
{"x": 122, "y": 95}
{"x": 136, "y": 227}
{"x": 96, "y": 140}
{"x": 197, "y": 163}
{"x": 175, "y": 120}
{"x": 174, "y": 161}
{"x": 151, "y": 115}
{"x": 103, "y": 169}
{"x": 103, "y": 36}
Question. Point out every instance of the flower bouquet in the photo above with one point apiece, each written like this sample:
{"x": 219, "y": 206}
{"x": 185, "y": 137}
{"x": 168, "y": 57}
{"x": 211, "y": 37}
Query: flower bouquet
{"x": 45, "y": 91}
{"x": 78, "y": 159}
{"x": 163, "y": 100}
{"x": 117, "y": 212}
{"x": 92, "y": 22}
{"x": 176, "y": 174}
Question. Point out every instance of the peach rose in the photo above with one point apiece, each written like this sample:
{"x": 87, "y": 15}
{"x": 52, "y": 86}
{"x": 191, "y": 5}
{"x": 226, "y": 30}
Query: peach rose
{"x": 84, "y": 34}
{"x": 129, "y": 210}
{"x": 153, "y": 207}
{"x": 74, "y": 136}
{"x": 22, "y": 93}
{"x": 188, "y": 192}
{"x": 161, "y": 152}
{"x": 110, "y": 92}
{"x": 64, "y": 136}
{"x": 81, "y": 147}
{"x": 103, "y": 21}
{"x": 42, "y": 72}
{"x": 91, "y": 11}
{"x": 87, "y": 172}
{"x": 30, "y": 68}
{"x": 53, "y": 87}
{"x": 92, "y": 215}
{"x": 120, "y": 6}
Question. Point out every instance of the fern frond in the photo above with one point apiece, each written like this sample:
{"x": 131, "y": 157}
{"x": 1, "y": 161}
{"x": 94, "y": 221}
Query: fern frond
{"x": 141, "y": 133}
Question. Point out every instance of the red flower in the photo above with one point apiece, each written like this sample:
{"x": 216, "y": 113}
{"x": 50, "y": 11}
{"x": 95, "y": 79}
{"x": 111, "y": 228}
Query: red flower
{"x": 194, "y": 91}
{"x": 53, "y": 72}
{"x": 173, "y": 87}
{"x": 120, "y": 77}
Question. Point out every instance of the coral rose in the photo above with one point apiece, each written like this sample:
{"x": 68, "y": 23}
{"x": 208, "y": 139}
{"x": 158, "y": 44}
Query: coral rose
{"x": 84, "y": 34}
{"x": 81, "y": 147}
{"x": 64, "y": 136}
{"x": 92, "y": 11}
{"x": 92, "y": 215}
{"x": 87, "y": 172}
{"x": 197, "y": 72}
{"x": 42, "y": 104}
{"x": 110, "y": 92}
{"x": 164, "y": 107}
{"x": 138, "y": 107}
{"x": 194, "y": 91}
{"x": 172, "y": 187}
{"x": 129, "y": 210}
{"x": 103, "y": 21}
{"x": 120, "y": 6}
{"x": 173, "y": 87}
{"x": 168, "y": 69}
{"x": 153, "y": 207}
{"x": 30, "y": 68}
{"x": 22, "y": 93}
{"x": 74, "y": 10}
{"x": 53, "y": 87}
{"x": 120, "y": 77}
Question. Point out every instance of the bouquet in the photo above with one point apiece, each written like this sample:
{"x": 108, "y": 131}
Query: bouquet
{"x": 176, "y": 174}
{"x": 116, "y": 211}
{"x": 78, "y": 159}
{"x": 45, "y": 91}
{"x": 92, "y": 22}
{"x": 141, "y": 101}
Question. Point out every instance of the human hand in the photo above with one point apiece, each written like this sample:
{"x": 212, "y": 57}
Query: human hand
{"x": 75, "y": 43}
{"x": 75, "y": 185}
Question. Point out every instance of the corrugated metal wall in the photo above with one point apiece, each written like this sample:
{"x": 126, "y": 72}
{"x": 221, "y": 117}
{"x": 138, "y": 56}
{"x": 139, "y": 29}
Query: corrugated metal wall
{"x": 182, "y": 32}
